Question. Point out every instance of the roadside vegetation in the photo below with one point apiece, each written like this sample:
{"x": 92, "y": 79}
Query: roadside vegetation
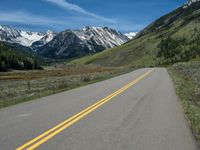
{"x": 172, "y": 50}
{"x": 21, "y": 86}
{"x": 186, "y": 77}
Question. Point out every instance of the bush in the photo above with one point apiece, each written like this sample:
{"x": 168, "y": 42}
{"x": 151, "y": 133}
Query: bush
{"x": 172, "y": 50}
{"x": 86, "y": 78}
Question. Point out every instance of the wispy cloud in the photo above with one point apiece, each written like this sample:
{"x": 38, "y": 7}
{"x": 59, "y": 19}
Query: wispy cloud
{"x": 27, "y": 18}
{"x": 72, "y": 7}
{"x": 61, "y": 23}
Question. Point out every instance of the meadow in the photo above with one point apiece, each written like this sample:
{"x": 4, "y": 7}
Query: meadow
{"x": 21, "y": 86}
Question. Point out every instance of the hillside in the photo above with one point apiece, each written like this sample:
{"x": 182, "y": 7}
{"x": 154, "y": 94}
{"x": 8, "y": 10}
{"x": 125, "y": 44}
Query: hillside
{"x": 181, "y": 27}
{"x": 16, "y": 58}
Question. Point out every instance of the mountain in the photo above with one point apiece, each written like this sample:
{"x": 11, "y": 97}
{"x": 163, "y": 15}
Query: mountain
{"x": 25, "y": 38}
{"x": 172, "y": 38}
{"x": 131, "y": 35}
{"x": 77, "y": 43}
{"x": 67, "y": 44}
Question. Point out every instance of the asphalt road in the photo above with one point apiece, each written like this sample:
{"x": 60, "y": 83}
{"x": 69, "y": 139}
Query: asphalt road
{"x": 135, "y": 111}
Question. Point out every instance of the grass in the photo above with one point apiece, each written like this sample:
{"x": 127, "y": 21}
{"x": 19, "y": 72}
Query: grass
{"x": 21, "y": 86}
{"x": 127, "y": 54}
{"x": 188, "y": 89}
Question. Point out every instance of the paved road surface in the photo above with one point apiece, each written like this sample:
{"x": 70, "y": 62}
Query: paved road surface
{"x": 143, "y": 115}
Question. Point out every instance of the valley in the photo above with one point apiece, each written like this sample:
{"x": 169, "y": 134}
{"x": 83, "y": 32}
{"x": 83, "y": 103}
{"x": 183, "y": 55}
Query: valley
{"x": 75, "y": 71}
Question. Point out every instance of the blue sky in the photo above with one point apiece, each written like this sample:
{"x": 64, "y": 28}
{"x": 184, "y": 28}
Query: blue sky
{"x": 58, "y": 15}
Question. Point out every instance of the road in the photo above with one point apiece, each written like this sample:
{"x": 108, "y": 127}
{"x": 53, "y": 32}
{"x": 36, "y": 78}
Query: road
{"x": 135, "y": 111}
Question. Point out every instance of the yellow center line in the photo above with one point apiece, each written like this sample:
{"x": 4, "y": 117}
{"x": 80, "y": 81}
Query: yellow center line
{"x": 36, "y": 142}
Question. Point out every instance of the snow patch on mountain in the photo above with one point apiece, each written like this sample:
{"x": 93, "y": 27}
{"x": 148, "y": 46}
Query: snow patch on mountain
{"x": 189, "y": 3}
{"x": 131, "y": 35}
{"x": 49, "y": 36}
{"x": 31, "y": 36}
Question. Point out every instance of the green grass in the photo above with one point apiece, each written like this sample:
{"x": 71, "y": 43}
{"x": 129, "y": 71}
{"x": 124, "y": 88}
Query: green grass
{"x": 187, "y": 90}
{"x": 129, "y": 54}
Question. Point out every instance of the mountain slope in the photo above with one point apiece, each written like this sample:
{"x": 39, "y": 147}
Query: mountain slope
{"x": 77, "y": 43}
{"x": 65, "y": 44}
{"x": 48, "y": 36}
{"x": 182, "y": 23}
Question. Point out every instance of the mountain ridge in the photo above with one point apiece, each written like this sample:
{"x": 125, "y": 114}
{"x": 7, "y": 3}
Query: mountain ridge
{"x": 89, "y": 39}
{"x": 25, "y": 38}
{"x": 80, "y": 42}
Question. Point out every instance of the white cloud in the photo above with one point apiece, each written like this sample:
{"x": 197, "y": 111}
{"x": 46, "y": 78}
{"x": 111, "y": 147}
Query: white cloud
{"x": 62, "y": 23}
{"x": 27, "y": 18}
{"x": 69, "y": 6}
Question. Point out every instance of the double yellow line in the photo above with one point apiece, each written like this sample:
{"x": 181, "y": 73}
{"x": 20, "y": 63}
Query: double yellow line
{"x": 36, "y": 142}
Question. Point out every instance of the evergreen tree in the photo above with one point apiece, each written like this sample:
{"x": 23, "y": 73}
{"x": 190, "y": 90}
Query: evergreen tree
{"x": 14, "y": 59}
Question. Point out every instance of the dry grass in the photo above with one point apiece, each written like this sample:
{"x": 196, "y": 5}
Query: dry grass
{"x": 20, "y": 86}
{"x": 28, "y": 75}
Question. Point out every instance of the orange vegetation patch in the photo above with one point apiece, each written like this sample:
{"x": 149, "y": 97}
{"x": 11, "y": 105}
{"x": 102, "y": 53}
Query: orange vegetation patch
{"x": 28, "y": 75}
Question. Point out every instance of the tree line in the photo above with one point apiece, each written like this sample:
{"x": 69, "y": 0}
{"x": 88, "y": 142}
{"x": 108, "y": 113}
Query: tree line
{"x": 14, "y": 59}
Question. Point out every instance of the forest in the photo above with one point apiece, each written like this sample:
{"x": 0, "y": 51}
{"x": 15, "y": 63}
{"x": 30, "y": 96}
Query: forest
{"x": 16, "y": 59}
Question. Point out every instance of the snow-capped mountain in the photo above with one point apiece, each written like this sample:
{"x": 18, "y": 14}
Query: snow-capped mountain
{"x": 75, "y": 43}
{"x": 131, "y": 35}
{"x": 101, "y": 35}
{"x": 69, "y": 43}
{"x": 25, "y": 38}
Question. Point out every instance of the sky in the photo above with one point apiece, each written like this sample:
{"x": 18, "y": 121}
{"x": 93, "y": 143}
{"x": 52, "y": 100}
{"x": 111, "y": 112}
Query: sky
{"x": 58, "y": 15}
